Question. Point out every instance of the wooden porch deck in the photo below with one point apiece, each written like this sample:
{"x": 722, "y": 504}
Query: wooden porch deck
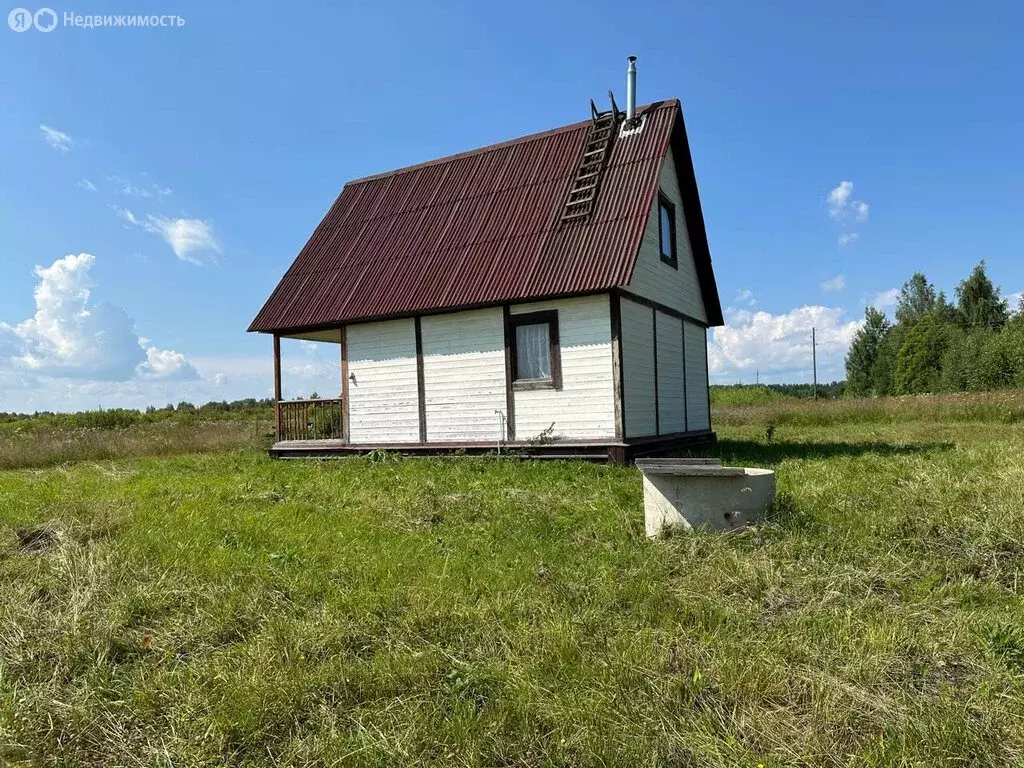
{"x": 604, "y": 451}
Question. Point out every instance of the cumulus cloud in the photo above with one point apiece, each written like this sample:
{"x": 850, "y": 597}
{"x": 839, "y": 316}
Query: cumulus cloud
{"x": 165, "y": 364}
{"x": 833, "y": 284}
{"x": 746, "y": 296}
{"x": 884, "y": 299}
{"x": 188, "y": 238}
{"x": 838, "y": 199}
{"x": 779, "y": 346}
{"x": 56, "y": 139}
{"x": 847, "y": 211}
{"x": 72, "y": 337}
{"x": 1015, "y": 301}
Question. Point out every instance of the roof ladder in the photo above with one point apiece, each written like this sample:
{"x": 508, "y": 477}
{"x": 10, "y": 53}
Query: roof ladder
{"x": 582, "y": 198}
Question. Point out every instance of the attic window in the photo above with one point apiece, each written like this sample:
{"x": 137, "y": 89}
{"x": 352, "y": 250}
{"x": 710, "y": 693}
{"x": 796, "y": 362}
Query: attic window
{"x": 535, "y": 356}
{"x": 667, "y": 231}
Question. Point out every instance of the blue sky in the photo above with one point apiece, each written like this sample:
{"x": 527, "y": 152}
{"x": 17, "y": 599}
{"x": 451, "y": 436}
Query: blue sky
{"x": 191, "y": 163}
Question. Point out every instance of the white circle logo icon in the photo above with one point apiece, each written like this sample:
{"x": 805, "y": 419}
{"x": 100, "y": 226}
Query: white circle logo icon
{"x": 20, "y": 19}
{"x": 45, "y": 19}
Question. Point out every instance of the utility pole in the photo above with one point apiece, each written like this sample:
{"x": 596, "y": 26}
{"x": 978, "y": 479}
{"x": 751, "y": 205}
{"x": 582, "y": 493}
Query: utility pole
{"x": 757, "y": 377}
{"x": 814, "y": 359}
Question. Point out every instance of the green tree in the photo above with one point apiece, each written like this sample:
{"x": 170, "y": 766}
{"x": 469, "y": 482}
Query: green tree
{"x": 979, "y": 304}
{"x": 917, "y": 298}
{"x": 860, "y": 360}
{"x": 919, "y": 360}
{"x": 883, "y": 374}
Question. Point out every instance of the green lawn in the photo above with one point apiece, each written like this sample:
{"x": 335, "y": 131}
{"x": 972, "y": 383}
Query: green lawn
{"x": 223, "y": 609}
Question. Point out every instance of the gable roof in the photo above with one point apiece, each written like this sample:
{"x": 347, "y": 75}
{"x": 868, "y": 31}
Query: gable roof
{"x": 482, "y": 228}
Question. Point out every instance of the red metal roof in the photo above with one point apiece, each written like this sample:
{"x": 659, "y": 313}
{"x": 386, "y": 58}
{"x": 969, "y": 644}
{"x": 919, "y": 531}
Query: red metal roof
{"x": 483, "y": 228}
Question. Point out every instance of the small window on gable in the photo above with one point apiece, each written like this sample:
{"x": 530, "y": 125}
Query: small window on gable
{"x": 667, "y": 231}
{"x": 535, "y": 356}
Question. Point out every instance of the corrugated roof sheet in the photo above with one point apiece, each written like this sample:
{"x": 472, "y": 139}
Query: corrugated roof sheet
{"x": 482, "y": 228}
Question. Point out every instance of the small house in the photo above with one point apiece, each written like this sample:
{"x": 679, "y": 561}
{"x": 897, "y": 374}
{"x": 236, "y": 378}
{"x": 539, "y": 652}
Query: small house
{"x": 549, "y": 294}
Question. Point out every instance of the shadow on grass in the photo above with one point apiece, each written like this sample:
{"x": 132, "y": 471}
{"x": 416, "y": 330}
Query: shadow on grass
{"x": 756, "y": 452}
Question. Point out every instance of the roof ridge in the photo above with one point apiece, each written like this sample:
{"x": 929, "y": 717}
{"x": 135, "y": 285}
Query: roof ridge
{"x": 654, "y": 105}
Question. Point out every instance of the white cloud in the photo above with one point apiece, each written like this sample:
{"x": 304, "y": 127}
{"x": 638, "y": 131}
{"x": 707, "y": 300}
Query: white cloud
{"x": 779, "y": 346}
{"x": 70, "y": 337}
{"x": 187, "y": 237}
{"x": 746, "y": 296}
{"x": 127, "y": 215}
{"x": 1015, "y": 301}
{"x": 87, "y": 185}
{"x": 838, "y": 199}
{"x": 845, "y": 210}
{"x": 884, "y": 299}
{"x": 836, "y": 283}
{"x": 56, "y": 139}
{"x": 145, "y": 189}
{"x": 165, "y": 364}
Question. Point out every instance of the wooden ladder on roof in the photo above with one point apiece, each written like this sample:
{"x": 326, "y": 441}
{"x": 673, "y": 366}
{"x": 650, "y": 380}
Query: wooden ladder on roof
{"x": 582, "y": 198}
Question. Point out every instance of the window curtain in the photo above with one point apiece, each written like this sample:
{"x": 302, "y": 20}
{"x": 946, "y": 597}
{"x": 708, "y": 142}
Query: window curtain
{"x": 533, "y": 351}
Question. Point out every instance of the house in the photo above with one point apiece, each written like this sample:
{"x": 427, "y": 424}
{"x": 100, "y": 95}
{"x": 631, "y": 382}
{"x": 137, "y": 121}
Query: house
{"x": 551, "y": 293}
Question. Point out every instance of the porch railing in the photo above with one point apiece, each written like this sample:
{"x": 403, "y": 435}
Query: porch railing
{"x": 309, "y": 420}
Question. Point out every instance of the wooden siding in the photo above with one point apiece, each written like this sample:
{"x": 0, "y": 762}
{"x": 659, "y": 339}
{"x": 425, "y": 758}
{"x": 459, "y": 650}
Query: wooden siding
{"x": 584, "y": 408}
{"x": 383, "y": 403}
{"x": 653, "y": 278}
{"x": 671, "y": 391}
{"x": 697, "y": 377}
{"x": 464, "y": 375}
{"x": 638, "y": 375}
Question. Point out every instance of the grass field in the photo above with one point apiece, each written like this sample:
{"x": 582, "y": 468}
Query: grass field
{"x": 222, "y": 609}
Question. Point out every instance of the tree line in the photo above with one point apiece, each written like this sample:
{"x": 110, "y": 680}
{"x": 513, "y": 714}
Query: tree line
{"x": 972, "y": 345}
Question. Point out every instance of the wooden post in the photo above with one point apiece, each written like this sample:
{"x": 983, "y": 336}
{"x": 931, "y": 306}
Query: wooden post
{"x": 345, "y": 425}
{"x": 277, "y": 388}
{"x": 814, "y": 359}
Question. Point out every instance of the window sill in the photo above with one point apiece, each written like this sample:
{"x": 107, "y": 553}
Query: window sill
{"x": 528, "y": 385}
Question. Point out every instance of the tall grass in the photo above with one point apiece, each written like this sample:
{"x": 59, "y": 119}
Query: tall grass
{"x": 223, "y": 609}
{"x": 47, "y": 446}
{"x": 1003, "y": 407}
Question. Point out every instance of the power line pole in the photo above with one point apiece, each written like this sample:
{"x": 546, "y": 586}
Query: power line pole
{"x": 814, "y": 359}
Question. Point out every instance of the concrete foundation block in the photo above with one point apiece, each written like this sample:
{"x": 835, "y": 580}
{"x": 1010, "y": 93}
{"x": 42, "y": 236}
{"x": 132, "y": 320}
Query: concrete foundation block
{"x": 681, "y": 496}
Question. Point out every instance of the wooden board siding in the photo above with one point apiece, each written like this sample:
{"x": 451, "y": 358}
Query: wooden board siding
{"x": 584, "y": 408}
{"x": 638, "y": 372}
{"x": 464, "y": 375}
{"x": 697, "y": 378}
{"x": 382, "y": 391}
{"x": 671, "y": 391}
{"x": 653, "y": 278}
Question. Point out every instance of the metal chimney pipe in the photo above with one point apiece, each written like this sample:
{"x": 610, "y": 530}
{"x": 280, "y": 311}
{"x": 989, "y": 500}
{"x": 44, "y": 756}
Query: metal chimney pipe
{"x": 631, "y": 89}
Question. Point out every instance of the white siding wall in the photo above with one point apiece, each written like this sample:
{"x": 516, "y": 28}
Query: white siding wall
{"x": 585, "y": 406}
{"x": 464, "y": 375}
{"x": 638, "y": 368}
{"x": 653, "y": 278}
{"x": 697, "y": 378}
{"x": 671, "y": 393}
{"x": 382, "y": 397}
